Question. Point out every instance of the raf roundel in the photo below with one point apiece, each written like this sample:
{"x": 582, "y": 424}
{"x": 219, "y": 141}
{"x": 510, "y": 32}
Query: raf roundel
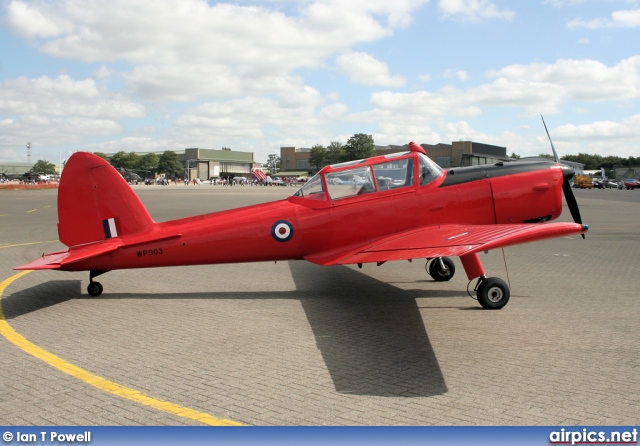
{"x": 282, "y": 231}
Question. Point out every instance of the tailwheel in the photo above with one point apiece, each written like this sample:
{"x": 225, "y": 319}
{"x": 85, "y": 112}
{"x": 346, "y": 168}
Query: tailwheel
{"x": 493, "y": 293}
{"x": 94, "y": 289}
{"x": 441, "y": 269}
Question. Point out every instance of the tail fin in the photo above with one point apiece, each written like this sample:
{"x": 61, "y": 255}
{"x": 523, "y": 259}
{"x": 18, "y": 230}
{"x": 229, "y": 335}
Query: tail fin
{"x": 95, "y": 203}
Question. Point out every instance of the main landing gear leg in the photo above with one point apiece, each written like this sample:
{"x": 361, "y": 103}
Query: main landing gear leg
{"x": 492, "y": 293}
{"x": 95, "y": 288}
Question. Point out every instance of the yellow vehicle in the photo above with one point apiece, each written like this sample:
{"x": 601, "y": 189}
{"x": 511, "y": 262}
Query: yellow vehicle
{"x": 583, "y": 182}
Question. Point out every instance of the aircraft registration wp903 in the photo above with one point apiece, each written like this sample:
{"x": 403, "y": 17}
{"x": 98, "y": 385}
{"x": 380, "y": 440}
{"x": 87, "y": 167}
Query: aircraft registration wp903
{"x": 387, "y": 208}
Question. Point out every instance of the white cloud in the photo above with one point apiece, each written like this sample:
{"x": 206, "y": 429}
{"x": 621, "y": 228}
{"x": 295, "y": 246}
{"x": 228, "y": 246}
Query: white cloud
{"x": 423, "y": 103}
{"x": 627, "y": 18}
{"x": 457, "y": 74}
{"x": 534, "y": 88}
{"x": 239, "y": 75}
{"x": 585, "y": 80}
{"x": 39, "y": 21}
{"x": 462, "y": 131}
{"x": 12, "y": 156}
{"x": 333, "y": 111}
{"x": 254, "y": 121}
{"x": 397, "y": 13}
{"x": 194, "y": 32}
{"x": 364, "y": 69}
{"x": 534, "y": 97}
{"x": 562, "y": 3}
{"x": 189, "y": 50}
{"x": 619, "y": 19}
{"x": 403, "y": 132}
{"x": 47, "y": 132}
{"x": 537, "y": 88}
{"x": 132, "y": 144}
{"x": 62, "y": 96}
{"x": 473, "y": 10}
{"x": 185, "y": 51}
{"x": 599, "y": 132}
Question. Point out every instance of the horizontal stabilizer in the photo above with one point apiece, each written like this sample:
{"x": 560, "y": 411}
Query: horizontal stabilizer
{"x": 56, "y": 260}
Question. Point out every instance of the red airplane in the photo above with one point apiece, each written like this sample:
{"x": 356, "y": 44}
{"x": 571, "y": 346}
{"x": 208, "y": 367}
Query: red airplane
{"x": 631, "y": 183}
{"x": 392, "y": 207}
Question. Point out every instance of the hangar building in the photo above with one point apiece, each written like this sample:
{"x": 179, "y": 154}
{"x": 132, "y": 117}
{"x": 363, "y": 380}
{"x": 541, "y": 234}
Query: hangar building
{"x": 211, "y": 163}
{"x": 295, "y": 161}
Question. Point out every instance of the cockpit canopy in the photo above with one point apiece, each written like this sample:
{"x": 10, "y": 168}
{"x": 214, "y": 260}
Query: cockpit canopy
{"x": 372, "y": 175}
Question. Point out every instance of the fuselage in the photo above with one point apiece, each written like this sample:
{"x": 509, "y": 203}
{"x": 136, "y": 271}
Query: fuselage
{"x": 348, "y": 205}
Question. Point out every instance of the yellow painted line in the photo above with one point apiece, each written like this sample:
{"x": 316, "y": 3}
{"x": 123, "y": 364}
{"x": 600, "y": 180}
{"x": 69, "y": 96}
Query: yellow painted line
{"x": 32, "y": 210}
{"x": 25, "y": 244}
{"x": 47, "y": 206}
{"x": 97, "y": 381}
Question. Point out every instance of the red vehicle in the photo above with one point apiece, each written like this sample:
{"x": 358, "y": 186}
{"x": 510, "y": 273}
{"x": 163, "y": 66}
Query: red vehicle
{"x": 387, "y": 208}
{"x": 631, "y": 183}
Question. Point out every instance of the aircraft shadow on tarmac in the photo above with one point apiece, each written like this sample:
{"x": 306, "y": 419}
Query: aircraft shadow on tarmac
{"x": 371, "y": 334}
{"x": 39, "y": 297}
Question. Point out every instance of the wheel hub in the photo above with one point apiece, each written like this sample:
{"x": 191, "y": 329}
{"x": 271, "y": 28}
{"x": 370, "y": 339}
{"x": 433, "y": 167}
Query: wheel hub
{"x": 494, "y": 294}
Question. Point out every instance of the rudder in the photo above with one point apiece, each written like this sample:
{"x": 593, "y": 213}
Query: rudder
{"x": 95, "y": 203}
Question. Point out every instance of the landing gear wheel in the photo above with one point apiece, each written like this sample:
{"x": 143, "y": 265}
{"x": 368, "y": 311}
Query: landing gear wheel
{"x": 493, "y": 293}
{"x": 437, "y": 273}
{"x": 94, "y": 289}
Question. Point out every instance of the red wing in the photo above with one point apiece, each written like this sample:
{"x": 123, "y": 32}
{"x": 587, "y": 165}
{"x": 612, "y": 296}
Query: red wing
{"x": 56, "y": 259}
{"x": 447, "y": 240}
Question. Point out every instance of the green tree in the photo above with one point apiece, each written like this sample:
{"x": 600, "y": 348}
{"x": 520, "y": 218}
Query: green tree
{"x": 104, "y": 156}
{"x": 148, "y": 162}
{"x": 335, "y": 153}
{"x": 44, "y": 167}
{"x": 318, "y": 156}
{"x": 591, "y": 162}
{"x": 514, "y": 156}
{"x": 122, "y": 160}
{"x": 545, "y": 155}
{"x": 170, "y": 164}
{"x": 359, "y": 146}
{"x": 273, "y": 163}
{"x": 609, "y": 162}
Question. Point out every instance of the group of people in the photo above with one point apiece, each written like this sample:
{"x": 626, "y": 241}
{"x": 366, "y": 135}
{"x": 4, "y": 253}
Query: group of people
{"x": 224, "y": 181}
{"x": 227, "y": 181}
{"x": 161, "y": 181}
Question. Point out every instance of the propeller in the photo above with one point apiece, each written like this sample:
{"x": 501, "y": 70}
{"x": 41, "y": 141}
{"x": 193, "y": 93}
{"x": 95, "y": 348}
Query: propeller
{"x": 568, "y": 173}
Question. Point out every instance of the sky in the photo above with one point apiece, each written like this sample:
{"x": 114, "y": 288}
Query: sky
{"x": 139, "y": 75}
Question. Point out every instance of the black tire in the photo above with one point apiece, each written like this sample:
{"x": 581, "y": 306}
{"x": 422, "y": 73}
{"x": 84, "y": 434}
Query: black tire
{"x": 440, "y": 275}
{"x": 94, "y": 289}
{"x": 493, "y": 293}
